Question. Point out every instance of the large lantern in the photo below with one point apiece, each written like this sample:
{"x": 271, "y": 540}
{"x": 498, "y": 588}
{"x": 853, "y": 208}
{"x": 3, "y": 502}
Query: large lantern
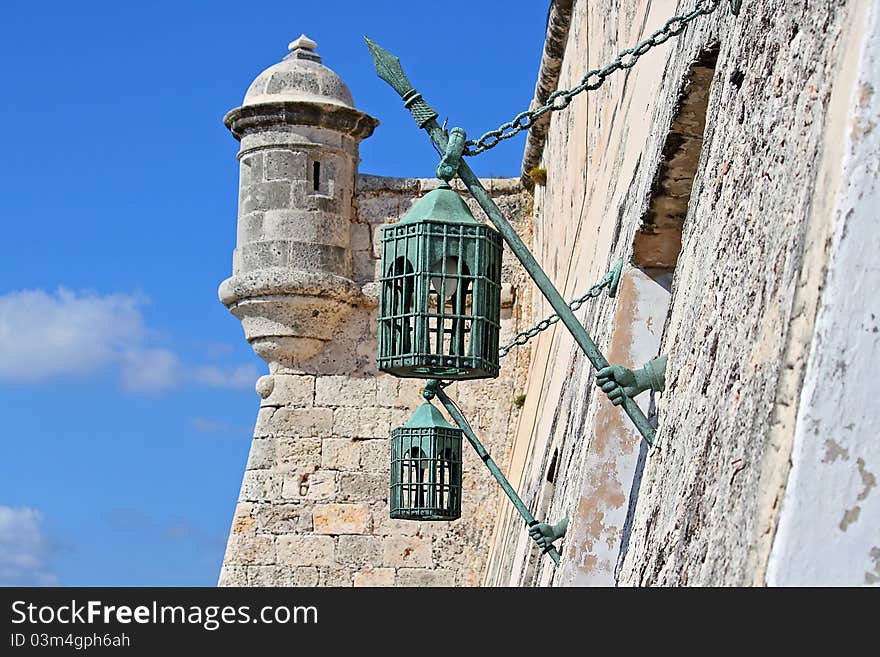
{"x": 426, "y": 468}
{"x": 440, "y": 303}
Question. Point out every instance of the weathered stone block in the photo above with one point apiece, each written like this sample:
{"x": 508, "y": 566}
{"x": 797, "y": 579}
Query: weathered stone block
{"x": 250, "y": 228}
{"x": 360, "y": 237}
{"x": 262, "y": 454}
{"x": 303, "y": 421}
{"x": 334, "y": 577}
{"x": 387, "y": 388}
{"x": 319, "y": 203}
{"x": 261, "y": 255}
{"x": 305, "y": 228}
{"x": 283, "y": 518}
{"x": 297, "y": 484}
{"x": 377, "y": 242}
{"x": 345, "y": 422}
{"x": 232, "y": 575}
{"x": 364, "y": 424}
{"x": 362, "y": 486}
{"x": 285, "y": 165}
{"x": 306, "y": 550}
{"x": 264, "y": 196}
{"x": 374, "y": 456}
{"x": 297, "y": 449}
{"x": 291, "y": 390}
{"x": 383, "y": 209}
{"x": 259, "y": 485}
{"x": 425, "y": 577}
{"x": 297, "y": 453}
{"x": 251, "y": 170}
{"x": 384, "y": 525}
{"x": 263, "y": 427}
{"x": 407, "y": 551}
{"x": 398, "y": 417}
{"x": 345, "y": 391}
{"x": 374, "y": 577}
{"x": 294, "y": 484}
{"x": 353, "y": 551}
{"x": 409, "y": 396}
{"x": 364, "y": 266}
{"x": 321, "y": 485}
{"x": 243, "y": 520}
{"x": 341, "y": 518}
{"x": 250, "y": 549}
{"x": 340, "y": 453}
{"x": 282, "y": 576}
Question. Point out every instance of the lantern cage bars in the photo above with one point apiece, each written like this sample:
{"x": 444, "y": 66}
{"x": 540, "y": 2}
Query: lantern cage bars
{"x": 440, "y": 292}
{"x": 426, "y": 468}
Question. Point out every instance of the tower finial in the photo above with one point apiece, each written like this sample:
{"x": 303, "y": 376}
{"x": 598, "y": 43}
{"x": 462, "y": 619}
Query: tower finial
{"x": 303, "y": 48}
{"x": 302, "y": 43}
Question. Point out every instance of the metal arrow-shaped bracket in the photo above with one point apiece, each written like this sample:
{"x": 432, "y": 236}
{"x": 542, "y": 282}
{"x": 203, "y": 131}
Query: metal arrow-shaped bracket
{"x": 389, "y": 68}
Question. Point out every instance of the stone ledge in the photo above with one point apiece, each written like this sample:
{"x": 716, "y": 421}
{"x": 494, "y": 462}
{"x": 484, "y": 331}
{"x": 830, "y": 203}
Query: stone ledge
{"x": 367, "y": 183}
{"x": 261, "y": 116}
{"x": 282, "y": 281}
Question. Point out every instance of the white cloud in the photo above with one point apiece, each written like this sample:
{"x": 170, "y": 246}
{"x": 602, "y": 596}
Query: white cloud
{"x": 150, "y": 370}
{"x": 47, "y": 335}
{"x": 24, "y": 549}
{"x": 238, "y": 377}
{"x": 43, "y": 335}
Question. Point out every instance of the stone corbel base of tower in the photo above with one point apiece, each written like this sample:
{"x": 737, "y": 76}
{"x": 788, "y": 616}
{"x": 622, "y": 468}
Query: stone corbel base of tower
{"x": 290, "y": 317}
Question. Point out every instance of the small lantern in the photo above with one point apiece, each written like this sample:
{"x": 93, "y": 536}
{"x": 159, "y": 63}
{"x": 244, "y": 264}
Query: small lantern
{"x": 426, "y": 468}
{"x": 440, "y": 303}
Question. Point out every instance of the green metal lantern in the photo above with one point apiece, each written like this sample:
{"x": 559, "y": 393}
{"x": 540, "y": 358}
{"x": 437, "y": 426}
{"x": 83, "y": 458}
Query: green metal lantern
{"x": 440, "y": 297}
{"x": 426, "y": 468}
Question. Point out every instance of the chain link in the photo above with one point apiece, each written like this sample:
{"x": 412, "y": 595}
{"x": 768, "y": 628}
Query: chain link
{"x": 575, "y": 304}
{"x": 561, "y": 98}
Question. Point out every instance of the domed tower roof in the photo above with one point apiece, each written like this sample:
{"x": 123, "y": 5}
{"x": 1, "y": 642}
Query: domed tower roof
{"x": 299, "y": 90}
{"x": 299, "y": 77}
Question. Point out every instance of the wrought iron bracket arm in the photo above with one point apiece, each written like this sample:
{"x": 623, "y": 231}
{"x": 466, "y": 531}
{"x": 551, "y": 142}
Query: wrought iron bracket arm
{"x": 434, "y": 388}
{"x": 545, "y": 534}
{"x": 388, "y": 68}
{"x": 618, "y": 381}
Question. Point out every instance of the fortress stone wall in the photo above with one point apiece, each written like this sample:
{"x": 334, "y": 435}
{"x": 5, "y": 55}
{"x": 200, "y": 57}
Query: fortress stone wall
{"x": 750, "y": 145}
{"x": 734, "y": 171}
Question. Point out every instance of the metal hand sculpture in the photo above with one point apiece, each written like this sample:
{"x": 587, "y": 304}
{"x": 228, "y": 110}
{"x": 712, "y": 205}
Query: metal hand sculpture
{"x": 619, "y": 381}
{"x": 544, "y": 534}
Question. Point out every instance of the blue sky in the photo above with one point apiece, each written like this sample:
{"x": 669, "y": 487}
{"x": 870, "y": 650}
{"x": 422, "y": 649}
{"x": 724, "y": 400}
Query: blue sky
{"x": 126, "y": 388}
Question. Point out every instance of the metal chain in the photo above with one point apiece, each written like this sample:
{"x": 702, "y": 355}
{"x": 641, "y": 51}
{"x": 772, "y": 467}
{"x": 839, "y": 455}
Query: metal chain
{"x": 561, "y": 98}
{"x": 575, "y": 304}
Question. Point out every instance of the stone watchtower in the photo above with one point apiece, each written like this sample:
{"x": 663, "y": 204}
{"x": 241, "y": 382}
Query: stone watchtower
{"x": 291, "y": 284}
{"x": 302, "y": 313}
{"x": 313, "y": 506}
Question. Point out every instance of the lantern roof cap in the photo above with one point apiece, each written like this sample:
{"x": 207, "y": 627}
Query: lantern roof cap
{"x": 442, "y": 205}
{"x": 427, "y": 416}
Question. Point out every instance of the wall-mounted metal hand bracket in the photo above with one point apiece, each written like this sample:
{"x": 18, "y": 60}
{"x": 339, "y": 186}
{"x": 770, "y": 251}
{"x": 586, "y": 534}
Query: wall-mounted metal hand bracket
{"x": 620, "y": 382}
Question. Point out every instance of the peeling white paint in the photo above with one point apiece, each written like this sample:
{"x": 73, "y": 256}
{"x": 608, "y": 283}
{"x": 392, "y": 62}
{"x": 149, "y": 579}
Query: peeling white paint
{"x": 829, "y": 526}
{"x": 593, "y": 560}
